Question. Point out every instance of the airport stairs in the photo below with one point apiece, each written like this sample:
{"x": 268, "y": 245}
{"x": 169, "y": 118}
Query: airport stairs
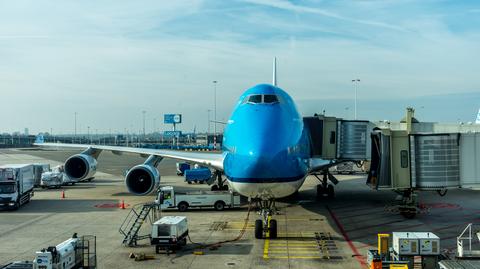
{"x": 130, "y": 227}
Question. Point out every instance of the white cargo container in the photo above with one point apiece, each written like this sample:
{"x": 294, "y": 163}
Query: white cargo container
{"x": 429, "y": 243}
{"x": 38, "y": 169}
{"x": 169, "y": 232}
{"x": 169, "y": 198}
{"x": 405, "y": 243}
{"x": 470, "y": 160}
{"x": 16, "y": 184}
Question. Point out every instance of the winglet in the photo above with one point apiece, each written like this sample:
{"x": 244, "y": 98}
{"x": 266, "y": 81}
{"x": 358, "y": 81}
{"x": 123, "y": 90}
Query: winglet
{"x": 478, "y": 117}
{"x": 274, "y": 79}
{"x": 39, "y": 139}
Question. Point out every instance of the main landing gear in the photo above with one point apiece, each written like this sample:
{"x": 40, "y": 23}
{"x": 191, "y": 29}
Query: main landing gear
{"x": 266, "y": 227}
{"x": 324, "y": 189}
{"x": 220, "y": 185}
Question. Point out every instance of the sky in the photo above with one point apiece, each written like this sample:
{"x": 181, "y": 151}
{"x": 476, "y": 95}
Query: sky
{"x": 110, "y": 60}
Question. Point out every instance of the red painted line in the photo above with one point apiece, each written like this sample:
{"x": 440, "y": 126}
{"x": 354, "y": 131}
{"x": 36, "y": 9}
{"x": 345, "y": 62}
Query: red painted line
{"x": 360, "y": 258}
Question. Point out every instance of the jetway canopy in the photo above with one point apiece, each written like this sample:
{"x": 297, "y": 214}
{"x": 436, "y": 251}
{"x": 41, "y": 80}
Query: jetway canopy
{"x": 333, "y": 138}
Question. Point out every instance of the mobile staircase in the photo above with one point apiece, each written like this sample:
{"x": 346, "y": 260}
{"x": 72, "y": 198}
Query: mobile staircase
{"x": 130, "y": 227}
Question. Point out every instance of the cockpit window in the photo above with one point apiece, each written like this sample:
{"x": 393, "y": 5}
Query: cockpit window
{"x": 270, "y": 98}
{"x": 256, "y": 99}
{"x": 261, "y": 99}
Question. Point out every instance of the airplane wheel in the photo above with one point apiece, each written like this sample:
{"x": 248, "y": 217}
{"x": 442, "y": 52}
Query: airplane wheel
{"x": 320, "y": 191}
{"x": 273, "y": 229}
{"x": 258, "y": 229}
{"x": 330, "y": 192}
{"x": 225, "y": 188}
{"x": 214, "y": 188}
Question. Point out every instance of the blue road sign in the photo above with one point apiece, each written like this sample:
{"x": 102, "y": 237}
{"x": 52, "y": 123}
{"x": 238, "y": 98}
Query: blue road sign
{"x": 172, "y": 118}
{"x": 172, "y": 133}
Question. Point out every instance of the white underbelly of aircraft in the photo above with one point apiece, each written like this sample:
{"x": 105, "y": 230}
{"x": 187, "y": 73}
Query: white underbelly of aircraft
{"x": 266, "y": 190}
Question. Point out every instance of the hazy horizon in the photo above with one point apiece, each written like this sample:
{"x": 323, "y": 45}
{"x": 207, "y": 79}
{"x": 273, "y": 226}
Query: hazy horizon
{"x": 109, "y": 60}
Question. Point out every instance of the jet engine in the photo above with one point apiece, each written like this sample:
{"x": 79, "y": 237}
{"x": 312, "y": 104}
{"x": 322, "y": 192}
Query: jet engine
{"x": 80, "y": 167}
{"x": 142, "y": 179}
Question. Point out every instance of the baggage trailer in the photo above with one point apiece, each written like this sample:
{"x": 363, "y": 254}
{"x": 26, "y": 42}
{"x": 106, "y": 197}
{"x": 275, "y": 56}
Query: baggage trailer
{"x": 169, "y": 198}
{"x": 16, "y": 185}
{"x": 169, "y": 232}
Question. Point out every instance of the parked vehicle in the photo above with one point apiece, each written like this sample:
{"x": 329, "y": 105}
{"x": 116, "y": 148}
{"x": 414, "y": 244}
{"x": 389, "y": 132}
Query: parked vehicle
{"x": 169, "y": 198}
{"x": 169, "y": 232}
{"x": 52, "y": 180}
{"x": 344, "y": 168}
{"x": 16, "y": 185}
{"x": 197, "y": 175}
{"x": 181, "y": 167}
{"x": 38, "y": 169}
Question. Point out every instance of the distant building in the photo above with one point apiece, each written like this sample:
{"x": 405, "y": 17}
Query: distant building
{"x": 26, "y": 132}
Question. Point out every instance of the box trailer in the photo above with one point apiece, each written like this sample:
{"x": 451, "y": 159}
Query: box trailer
{"x": 169, "y": 232}
{"x": 16, "y": 185}
{"x": 169, "y": 198}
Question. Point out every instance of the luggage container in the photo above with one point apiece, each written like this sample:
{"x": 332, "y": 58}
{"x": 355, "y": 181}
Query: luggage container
{"x": 405, "y": 243}
{"x": 470, "y": 160}
{"x": 435, "y": 161}
{"x": 169, "y": 232}
{"x": 197, "y": 175}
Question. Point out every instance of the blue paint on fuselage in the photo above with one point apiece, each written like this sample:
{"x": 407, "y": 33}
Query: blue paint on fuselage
{"x": 265, "y": 143}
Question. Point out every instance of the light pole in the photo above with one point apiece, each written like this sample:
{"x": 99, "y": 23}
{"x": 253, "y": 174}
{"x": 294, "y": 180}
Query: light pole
{"x": 88, "y": 134}
{"x": 75, "y": 134}
{"x": 143, "y": 112}
{"x": 355, "y": 83}
{"x": 208, "y": 123}
{"x": 215, "y": 114}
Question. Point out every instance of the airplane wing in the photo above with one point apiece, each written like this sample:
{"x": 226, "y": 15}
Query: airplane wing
{"x": 318, "y": 164}
{"x": 214, "y": 160}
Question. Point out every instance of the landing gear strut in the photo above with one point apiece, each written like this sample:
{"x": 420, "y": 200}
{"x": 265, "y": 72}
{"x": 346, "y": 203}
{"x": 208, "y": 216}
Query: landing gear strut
{"x": 324, "y": 189}
{"x": 219, "y": 186}
{"x": 266, "y": 227}
{"x": 409, "y": 205}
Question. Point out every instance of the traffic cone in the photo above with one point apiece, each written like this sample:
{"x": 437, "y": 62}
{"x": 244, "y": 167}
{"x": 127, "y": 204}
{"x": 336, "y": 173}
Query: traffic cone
{"x": 122, "y": 205}
{"x": 63, "y": 194}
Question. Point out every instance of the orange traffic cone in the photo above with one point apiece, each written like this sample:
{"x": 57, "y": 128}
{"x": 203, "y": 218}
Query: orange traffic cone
{"x": 122, "y": 204}
{"x": 63, "y": 194}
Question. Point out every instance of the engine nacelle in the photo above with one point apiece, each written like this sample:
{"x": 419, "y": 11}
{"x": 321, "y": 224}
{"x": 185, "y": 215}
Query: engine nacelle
{"x": 142, "y": 179}
{"x": 80, "y": 167}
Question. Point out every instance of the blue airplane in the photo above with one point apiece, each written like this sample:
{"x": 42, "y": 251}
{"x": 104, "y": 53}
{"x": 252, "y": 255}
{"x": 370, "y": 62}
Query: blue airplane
{"x": 265, "y": 156}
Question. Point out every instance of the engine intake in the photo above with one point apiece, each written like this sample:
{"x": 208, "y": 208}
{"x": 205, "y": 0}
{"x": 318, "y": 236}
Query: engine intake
{"x": 80, "y": 167}
{"x": 142, "y": 179}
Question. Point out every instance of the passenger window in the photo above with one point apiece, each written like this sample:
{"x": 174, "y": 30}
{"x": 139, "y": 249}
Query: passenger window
{"x": 404, "y": 158}
{"x": 255, "y": 99}
{"x": 270, "y": 98}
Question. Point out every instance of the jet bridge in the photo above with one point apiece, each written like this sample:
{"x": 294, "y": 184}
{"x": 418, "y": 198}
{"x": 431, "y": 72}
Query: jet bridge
{"x": 343, "y": 140}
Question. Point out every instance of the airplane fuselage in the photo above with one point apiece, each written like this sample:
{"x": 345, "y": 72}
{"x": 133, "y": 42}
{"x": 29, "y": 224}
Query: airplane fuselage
{"x": 267, "y": 148}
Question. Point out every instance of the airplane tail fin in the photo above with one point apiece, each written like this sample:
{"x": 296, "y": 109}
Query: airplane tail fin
{"x": 477, "y": 121}
{"x": 39, "y": 139}
{"x": 274, "y": 79}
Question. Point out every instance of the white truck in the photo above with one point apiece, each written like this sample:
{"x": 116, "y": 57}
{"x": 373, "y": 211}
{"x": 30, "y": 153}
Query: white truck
{"x": 169, "y": 232}
{"x": 16, "y": 185}
{"x": 169, "y": 198}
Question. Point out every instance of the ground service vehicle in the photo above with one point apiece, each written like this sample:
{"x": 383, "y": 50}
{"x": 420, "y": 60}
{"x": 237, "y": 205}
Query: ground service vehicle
{"x": 169, "y": 232}
{"x": 169, "y": 198}
{"x": 16, "y": 185}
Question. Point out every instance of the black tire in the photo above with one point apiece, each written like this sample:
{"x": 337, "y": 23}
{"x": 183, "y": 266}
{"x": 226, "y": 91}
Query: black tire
{"x": 196, "y": 181}
{"x": 273, "y": 229}
{"x": 330, "y": 192}
{"x": 189, "y": 182}
{"x": 219, "y": 205}
{"x": 182, "y": 206}
{"x": 258, "y": 229}
{"x": 225, "y": 188}
{"x": 320, "y": 191}
{"x": 408, "y": 214}
{"x": 157, "y": 249}
{"x": 214, "y": 188}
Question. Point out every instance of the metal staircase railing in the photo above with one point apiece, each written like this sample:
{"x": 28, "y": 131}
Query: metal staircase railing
{"x": 134, "y": 221}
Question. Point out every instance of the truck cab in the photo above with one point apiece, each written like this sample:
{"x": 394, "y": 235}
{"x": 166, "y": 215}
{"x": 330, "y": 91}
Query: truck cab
{"x": 166, "y": 197}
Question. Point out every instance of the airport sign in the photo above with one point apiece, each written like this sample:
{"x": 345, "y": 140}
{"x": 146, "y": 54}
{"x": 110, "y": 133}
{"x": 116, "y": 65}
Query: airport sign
{"x": 172, "y": 133}
{"x": 172, "y": 118}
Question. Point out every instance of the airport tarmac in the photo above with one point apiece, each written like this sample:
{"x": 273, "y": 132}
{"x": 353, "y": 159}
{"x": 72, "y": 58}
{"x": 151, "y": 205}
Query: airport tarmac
{"x": 312, "y": 234}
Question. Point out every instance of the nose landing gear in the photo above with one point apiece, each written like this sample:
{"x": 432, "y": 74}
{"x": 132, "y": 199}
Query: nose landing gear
{"x": 324, "y": 189}
{"x": 266, "y": 227}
